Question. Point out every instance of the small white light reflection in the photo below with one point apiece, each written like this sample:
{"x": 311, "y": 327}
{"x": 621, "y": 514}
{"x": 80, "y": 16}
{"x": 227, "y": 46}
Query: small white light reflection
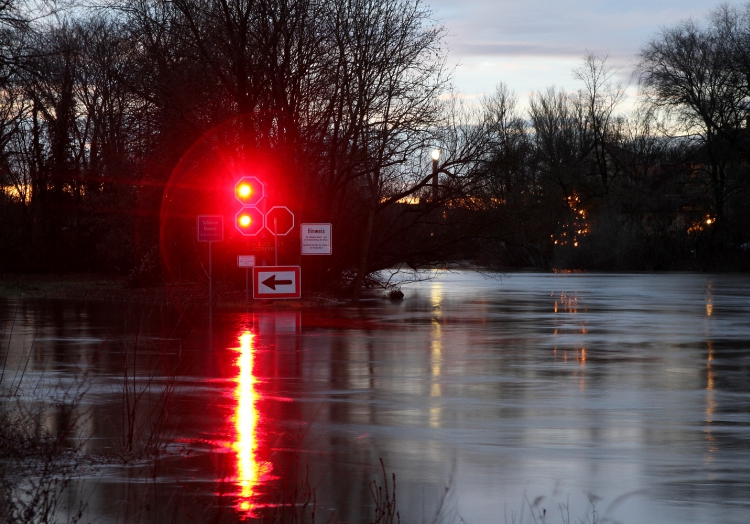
{"x": 436, "y": 360}
{"x": 436, "y": 295}
{"x": 436, "y": 356}
{"x": 711, "y": 404}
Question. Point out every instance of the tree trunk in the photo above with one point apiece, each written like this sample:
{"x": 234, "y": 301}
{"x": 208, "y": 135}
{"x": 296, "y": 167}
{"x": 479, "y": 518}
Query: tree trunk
{"x": 365, "y": 251}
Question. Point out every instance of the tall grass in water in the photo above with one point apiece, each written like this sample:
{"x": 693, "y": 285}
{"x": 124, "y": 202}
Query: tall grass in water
{"x": 535, "y": 512}
{"x": 384, "y": 498}
{"x": 40, "y": 453}
{"x": 147, "y": 392}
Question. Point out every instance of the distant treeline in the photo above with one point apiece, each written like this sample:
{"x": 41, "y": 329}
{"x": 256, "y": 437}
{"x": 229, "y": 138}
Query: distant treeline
{"x": 105, "y": 112}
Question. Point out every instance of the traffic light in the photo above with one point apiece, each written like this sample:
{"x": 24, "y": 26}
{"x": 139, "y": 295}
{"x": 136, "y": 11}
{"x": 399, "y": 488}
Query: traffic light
{"x": 249, "y": 221}
{"x": 249, "y": 190}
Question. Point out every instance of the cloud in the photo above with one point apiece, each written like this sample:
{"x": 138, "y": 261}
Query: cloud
{"x": 561, "y": 27}
{"x": 530, "y": 44}
{"x": 514, "y": 50}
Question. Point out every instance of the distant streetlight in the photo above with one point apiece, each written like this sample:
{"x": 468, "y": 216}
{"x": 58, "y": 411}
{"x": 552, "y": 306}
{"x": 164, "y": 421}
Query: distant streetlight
{"x": 435, "y": 157}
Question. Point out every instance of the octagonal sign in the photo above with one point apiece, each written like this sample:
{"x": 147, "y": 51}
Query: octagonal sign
{"x": 249, "y": 190}
{"x": 249, "y": 221}
{"x": 284, "y": 220}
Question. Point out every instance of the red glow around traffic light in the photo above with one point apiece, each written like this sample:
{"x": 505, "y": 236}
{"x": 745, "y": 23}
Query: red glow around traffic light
{"x": 204, "y": 182}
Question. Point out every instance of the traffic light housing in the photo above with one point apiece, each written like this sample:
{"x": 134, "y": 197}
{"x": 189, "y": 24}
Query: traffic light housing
{"x": 249, "y": 221}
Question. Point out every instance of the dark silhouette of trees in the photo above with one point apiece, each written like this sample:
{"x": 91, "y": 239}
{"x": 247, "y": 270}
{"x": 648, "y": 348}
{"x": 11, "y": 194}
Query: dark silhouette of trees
{"x": 684, "y": 71}
{"x": 599, "y": 100}
{"x": 697, "y": 73}
{"x": 662, "y": 187}
{"x": 105, "y": 113}
{"x": 343, "y": 96}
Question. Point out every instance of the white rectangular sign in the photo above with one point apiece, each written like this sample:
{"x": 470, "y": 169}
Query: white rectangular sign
{"x": 277, "y": 282}
{"x": 245, "y": 260}
{"x": 316, "y": 239}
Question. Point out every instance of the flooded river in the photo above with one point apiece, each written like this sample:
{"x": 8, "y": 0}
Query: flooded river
{"x": 591, "y": 397}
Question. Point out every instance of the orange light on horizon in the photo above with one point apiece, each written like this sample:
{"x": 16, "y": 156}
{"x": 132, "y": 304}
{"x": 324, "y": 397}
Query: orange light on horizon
{"x": 245, "y": 419}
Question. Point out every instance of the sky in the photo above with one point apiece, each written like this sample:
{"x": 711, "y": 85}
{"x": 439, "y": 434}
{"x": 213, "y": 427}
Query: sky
{"x": 532, "y": 44}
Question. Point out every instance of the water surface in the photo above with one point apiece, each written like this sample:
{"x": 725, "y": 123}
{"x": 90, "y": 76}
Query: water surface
{"x": 631, "y": 391}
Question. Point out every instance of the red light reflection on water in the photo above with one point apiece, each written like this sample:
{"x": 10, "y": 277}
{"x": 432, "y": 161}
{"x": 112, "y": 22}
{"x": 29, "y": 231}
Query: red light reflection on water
{"x": 246, "y": 418}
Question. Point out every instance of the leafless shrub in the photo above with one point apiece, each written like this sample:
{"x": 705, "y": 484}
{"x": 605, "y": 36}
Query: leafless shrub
{"x": 146, "y": 397}
{"x": 384, "y": 498}
{"x": 38, "y": 462}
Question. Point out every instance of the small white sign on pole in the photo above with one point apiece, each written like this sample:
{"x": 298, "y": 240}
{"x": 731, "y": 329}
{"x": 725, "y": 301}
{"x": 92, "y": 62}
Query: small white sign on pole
{"x": 316, "y": 239}
{"x": 245, "y": 260}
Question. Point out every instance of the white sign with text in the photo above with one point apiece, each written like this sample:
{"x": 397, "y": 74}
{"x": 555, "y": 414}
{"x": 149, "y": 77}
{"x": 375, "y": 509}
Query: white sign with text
{"x": 316, "y": 239}
{"x": 245, "y": 260}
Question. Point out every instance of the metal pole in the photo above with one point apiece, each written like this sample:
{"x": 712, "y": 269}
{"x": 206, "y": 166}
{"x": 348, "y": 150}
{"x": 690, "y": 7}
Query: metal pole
{"x": 210, "y": 275}
{"x": 247, "y": 289}
{"x": 210, "y": 327}
{"x": 275, "y": 242}
{"x": 434, "y": 180}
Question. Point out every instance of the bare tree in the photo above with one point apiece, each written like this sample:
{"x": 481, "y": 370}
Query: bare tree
{"x": 511, "y": 189}
{"x": 683, "y": 71}
{"x": 560, "y": 138}
{"x": 599, "y": 98}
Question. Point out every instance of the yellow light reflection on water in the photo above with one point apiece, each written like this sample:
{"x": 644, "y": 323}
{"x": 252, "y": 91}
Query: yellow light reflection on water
{"x": 436, "y": 357}
{"x": 246, "y": 418}
{"x": 436, "y": 295}
{"x": 709, "y": 300}
{"x": 711, "y": 406}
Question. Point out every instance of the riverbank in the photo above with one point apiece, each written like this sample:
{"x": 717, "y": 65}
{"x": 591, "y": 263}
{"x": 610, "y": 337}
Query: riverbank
{"x": 114, "y": 288}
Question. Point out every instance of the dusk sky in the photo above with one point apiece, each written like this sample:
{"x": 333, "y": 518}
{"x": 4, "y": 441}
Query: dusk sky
{"x": 531, "y": 44}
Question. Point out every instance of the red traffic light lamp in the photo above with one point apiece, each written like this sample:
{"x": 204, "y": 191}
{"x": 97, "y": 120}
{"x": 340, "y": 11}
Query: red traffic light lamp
{"x": 249, "y": 190}
{"x": 249, "y": 221}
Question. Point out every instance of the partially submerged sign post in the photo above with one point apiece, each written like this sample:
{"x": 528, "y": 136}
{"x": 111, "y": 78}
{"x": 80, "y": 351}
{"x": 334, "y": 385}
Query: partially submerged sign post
{"x": 210, "y": 228}
{"x": 246, "y": 261}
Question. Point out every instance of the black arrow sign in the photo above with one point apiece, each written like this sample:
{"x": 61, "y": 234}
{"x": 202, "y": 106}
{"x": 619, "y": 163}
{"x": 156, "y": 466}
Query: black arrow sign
{"x": 272, "y": 282}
